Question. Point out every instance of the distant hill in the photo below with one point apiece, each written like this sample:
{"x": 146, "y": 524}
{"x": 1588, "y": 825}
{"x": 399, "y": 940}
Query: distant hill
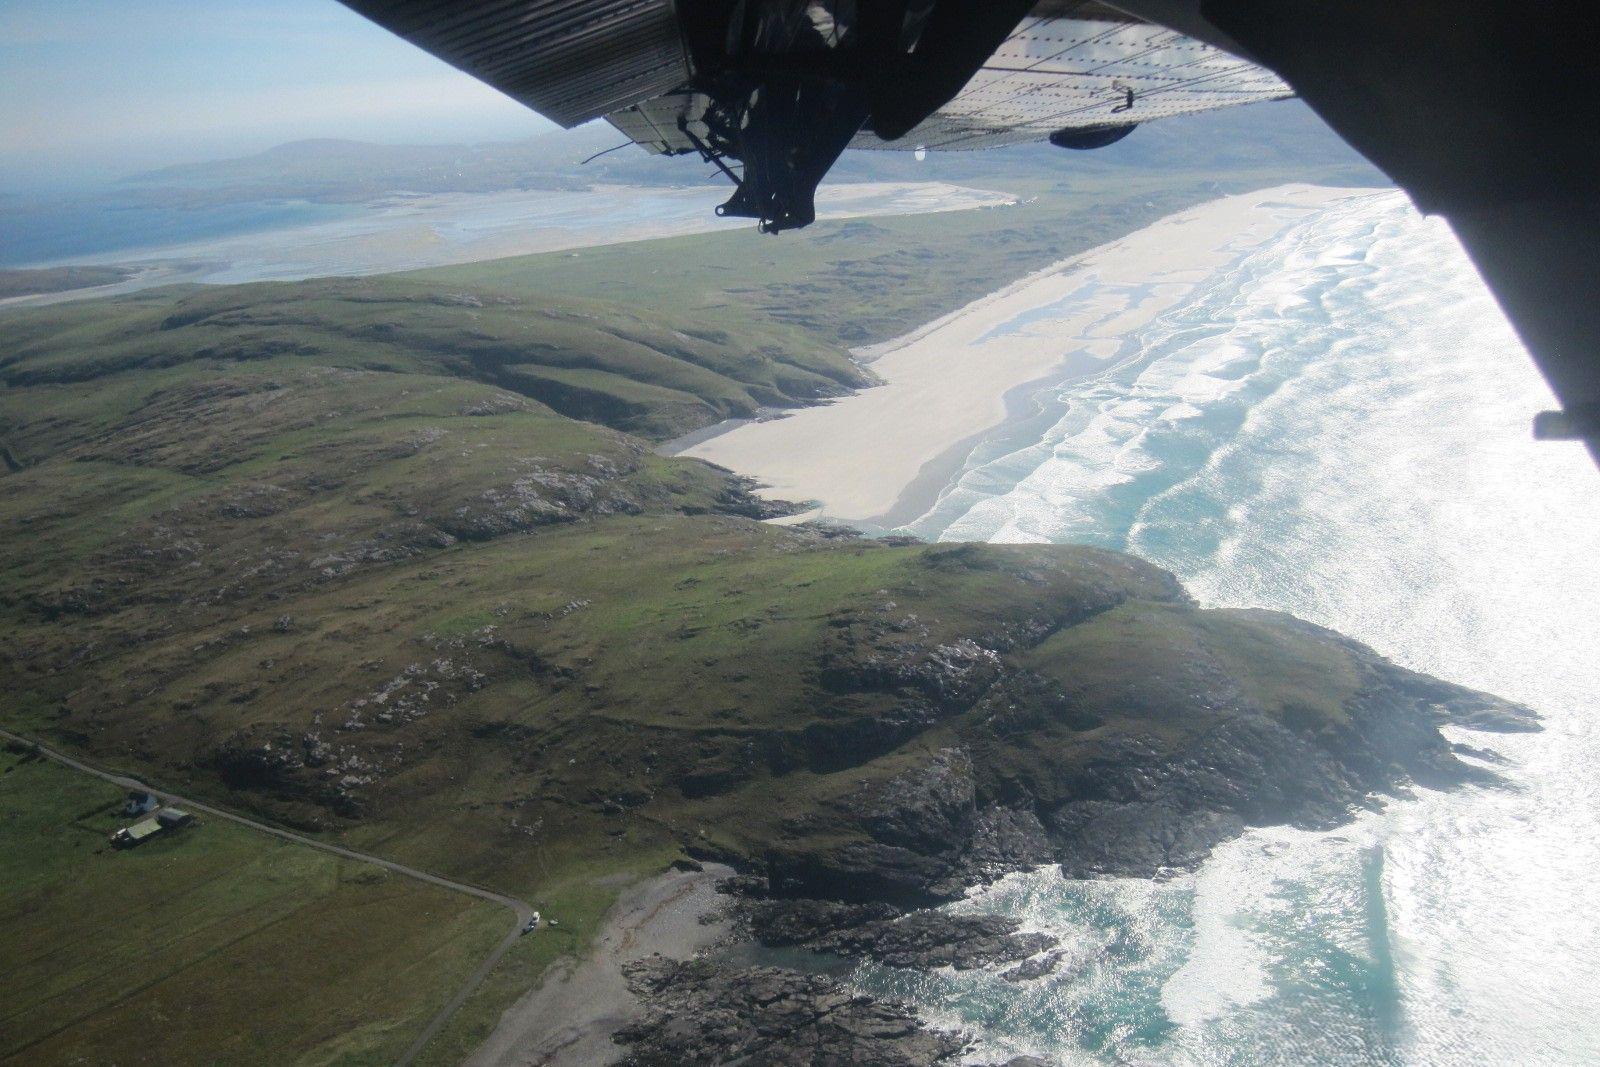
{"x": 307, "y": 181}
{"x": 334, "y": 171}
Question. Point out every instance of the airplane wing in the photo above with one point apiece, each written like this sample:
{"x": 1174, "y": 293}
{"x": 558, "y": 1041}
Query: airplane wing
{"x": 1487, "y": 112}
{"x": 569, "y": 60}
{"x": 782, "y": 86}
{"x": 1066, "y": 67}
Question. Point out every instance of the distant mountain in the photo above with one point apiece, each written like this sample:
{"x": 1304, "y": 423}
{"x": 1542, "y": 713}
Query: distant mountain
{"x": 336, "y": 171}
{"x": 304, "y": 181}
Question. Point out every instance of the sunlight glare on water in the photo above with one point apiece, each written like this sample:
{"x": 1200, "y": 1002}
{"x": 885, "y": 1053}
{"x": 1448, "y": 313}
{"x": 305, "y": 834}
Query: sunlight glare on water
{"x": 1337, "y": 426}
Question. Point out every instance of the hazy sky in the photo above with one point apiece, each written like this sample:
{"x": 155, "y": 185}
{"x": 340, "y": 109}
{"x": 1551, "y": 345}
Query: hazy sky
{"x": 99, "y": 88}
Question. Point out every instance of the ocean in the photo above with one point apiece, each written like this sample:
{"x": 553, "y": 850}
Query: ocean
{"x": 94, "y": 225}
{"x": 236, "y": 242}
{"x": 1337, "y": 425}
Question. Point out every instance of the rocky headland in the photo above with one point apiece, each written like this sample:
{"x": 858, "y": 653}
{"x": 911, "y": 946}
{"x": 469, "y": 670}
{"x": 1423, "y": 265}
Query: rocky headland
{"x": 855, "y": 879}
{"x": 971, "y": 813}
{"x": 360, "y": 558}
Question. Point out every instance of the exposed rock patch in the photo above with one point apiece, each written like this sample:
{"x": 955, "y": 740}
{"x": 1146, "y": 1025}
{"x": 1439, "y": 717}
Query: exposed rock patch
{"x": 920, "y": 939}
{"x": 1037, "y": 781}
{"x": 700, "y": 1013}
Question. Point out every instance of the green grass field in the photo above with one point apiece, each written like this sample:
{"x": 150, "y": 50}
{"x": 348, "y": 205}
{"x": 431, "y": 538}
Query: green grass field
{"x": 211, "y": 945}
{"x": 57, "y": 279}
{"x": 391, "y": 561}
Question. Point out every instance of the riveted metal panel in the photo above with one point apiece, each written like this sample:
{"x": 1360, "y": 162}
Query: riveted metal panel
{"x": 1073, "y": 73}
{"x": 569, "y": 60}
{"x": 1076, "y": 66}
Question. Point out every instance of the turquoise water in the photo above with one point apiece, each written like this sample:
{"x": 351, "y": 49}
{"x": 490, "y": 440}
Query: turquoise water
{"x": 1336, "y": 426}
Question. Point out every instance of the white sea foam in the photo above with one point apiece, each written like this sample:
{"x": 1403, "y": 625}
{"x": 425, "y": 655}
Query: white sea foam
{"x": 1337, "y": 426}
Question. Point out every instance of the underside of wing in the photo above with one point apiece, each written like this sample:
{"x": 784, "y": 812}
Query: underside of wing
{"x": 1067, "y": 67}
{"x": 1073, "y": 73}
{"x": 569, "y": 60}
{"x": 1485, "y": 112}
{"x": 773, "y": 90}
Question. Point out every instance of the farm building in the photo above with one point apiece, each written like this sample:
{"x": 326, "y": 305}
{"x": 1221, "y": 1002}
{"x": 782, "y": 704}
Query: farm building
{"x": 137, "y": 834}
{"x": 165, "y": 820}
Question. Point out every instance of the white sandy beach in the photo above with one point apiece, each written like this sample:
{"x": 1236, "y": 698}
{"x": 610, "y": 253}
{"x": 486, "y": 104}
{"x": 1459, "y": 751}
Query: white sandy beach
{"x": 880, "y": 456}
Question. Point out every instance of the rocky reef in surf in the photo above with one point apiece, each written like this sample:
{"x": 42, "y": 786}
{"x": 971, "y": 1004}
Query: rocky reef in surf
{"x": 701, "y": 1013}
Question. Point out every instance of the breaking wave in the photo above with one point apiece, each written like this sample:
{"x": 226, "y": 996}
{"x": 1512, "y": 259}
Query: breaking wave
{"x": 1337, "y": 426}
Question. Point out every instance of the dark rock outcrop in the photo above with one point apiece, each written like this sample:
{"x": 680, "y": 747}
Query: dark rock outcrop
{"x": 925, "y": 939}
{"x": 880, "y": 932}
{"x": 1035, "y": 967}
{"x": 1036, "y": 782}
{"x": 698, "y": 1012}
{"x": 926, "y": 808}
{"x": 780, "y": 923}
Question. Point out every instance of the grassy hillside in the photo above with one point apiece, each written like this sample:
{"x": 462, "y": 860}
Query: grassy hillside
{"x": 392, "y": 561}
{"x": 649, "y": 372}
{"x": 215, "y": 945}
{"x": 57, "y": 279}
{"x": 341, "y": 595}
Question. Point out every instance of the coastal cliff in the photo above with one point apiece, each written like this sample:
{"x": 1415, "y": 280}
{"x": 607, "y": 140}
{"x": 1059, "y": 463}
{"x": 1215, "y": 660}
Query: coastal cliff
{"x": 386, "y": 589}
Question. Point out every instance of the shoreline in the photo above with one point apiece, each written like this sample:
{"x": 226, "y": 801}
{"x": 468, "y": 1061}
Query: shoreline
{"x": 882, "y": 456}
{"x": 393, "y": 234}
{"x": 567, "y": 1020}
{"x": 923, "y": 492}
